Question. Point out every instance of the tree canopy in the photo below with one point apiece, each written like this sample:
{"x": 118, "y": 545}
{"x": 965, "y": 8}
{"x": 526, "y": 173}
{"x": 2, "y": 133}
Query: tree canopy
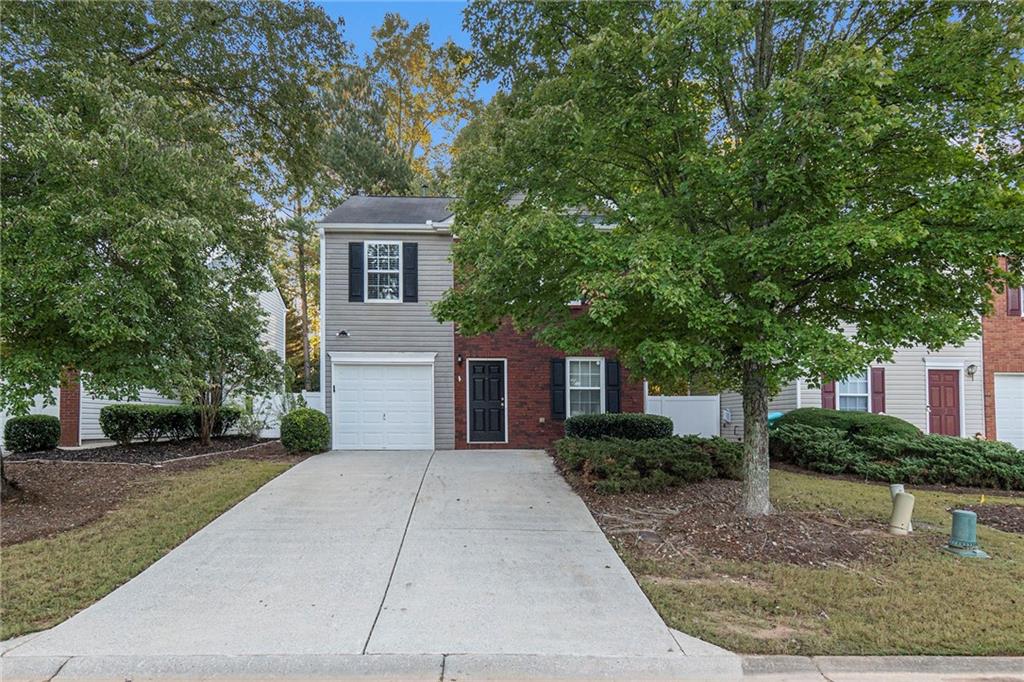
{"x": 731, "y": 185}
{"x": 136, "y": 136}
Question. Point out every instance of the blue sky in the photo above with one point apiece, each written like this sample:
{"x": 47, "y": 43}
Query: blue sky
{"x": 445, "y": 19}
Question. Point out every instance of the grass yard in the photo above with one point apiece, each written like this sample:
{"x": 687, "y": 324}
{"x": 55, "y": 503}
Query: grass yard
{"x": 907, "y": 598}
{"x": 47, "y": 580}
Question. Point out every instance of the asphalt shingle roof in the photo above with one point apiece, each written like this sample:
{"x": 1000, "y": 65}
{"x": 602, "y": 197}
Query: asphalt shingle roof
{"x": 405, "y": 210}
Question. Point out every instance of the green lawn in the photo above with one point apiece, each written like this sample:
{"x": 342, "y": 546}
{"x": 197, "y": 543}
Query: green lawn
{"x": 920, "y": 601}
{"x": 46, "y": 581}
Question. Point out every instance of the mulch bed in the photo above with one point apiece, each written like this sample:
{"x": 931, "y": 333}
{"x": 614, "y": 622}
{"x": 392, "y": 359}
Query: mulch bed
{"x": 701, "y": 520}
{"x": 143, "y": 453}
{"x": 56, "y": 496}
{"x": 1006, "y": 517}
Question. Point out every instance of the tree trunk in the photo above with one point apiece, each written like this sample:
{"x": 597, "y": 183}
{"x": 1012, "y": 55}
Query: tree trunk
{"x": 303, "y": 296}
{"x": 756, "y": 500}
{"x": 7, "y": 487}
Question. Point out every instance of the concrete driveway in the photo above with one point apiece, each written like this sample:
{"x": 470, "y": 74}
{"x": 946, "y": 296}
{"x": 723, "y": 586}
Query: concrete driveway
{"x": 451, "y": 565}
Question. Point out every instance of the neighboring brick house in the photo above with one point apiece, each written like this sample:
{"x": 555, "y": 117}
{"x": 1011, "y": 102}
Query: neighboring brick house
{"x": 1003, "y": 348}
{"x": 396, "y": 378}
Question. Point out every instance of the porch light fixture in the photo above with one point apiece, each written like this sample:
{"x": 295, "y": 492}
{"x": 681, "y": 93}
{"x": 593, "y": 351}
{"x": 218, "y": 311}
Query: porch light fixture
{"x": 343, "y": 333}
{"x": 458, "y": 359}
{"x": 972, "y": 369}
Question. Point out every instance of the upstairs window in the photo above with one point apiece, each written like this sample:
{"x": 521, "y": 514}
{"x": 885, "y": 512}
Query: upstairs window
{"x": 586, "y": 386}
{"x": 853, "y": 393}
{"x": 384, "y": 271}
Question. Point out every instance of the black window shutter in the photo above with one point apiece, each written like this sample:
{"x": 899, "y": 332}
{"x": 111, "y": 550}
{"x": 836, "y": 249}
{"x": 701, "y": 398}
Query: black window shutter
{"x": 355, "y": 272}
{"x": 410, "y": 272}
{"x": 612, "y": 386}
{"x": 558, "y": 389}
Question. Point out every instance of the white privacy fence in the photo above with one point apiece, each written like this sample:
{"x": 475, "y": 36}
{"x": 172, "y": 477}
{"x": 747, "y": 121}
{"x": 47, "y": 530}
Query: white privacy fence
{"x": 690, "y": 414}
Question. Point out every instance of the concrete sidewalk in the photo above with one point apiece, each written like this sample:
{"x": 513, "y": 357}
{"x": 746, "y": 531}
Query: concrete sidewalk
{"x": 467, "y": 565}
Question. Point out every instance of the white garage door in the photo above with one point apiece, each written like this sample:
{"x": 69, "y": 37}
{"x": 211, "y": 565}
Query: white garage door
{"x": 1010, "y": 408}
{"x": 383, "y": 407}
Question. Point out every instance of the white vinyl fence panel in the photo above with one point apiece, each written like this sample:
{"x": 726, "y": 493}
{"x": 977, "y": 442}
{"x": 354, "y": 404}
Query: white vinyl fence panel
{"x": 314, "y": 399}
{"x": 690, "y": 414}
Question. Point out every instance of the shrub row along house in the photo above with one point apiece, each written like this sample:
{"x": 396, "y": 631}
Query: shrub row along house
{"x": 79, "y": 409}
{"x": 974, "y": 390}
{"x": 398, "y": 379}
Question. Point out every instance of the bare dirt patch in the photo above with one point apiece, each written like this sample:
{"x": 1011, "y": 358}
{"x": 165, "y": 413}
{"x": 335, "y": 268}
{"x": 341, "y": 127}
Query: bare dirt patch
{"x": 56, "y": 496}
{"x": 1007, "y": 517}
{"x": 701, "y": 519}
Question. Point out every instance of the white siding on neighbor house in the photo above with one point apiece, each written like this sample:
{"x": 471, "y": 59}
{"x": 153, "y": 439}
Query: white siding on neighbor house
{"x": 89, "y": 420}
{"x": 906, "y": 385}
{"x": 391, "y": 327}
{"x": 785, "y": 401}
{"x": 272, "y": 338}
{"x": 273, "y": 334}
{"x": 906, "y": 388}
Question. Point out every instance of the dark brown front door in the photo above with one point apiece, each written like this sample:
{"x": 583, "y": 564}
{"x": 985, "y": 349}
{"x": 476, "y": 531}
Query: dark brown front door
{"x": 944, "y": 401}
{"x": 486, "y": 401}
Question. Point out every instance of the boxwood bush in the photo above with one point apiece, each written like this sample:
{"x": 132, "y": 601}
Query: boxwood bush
{"x": 305, "y": 430}
{"x": 901, "y": 459}
{"x": 127, "y": 422}
{"x": 615, "y": 465}
{"x": 631, "y": 426}
{"x": 853, "y": 423}
{"x": 31, "y": 433}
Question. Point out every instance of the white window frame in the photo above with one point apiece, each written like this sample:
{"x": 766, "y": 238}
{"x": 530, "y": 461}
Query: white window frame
{"x": 569, "y": 389}
{"x": 366, "y": 271}
{"x": 839, "y": 396}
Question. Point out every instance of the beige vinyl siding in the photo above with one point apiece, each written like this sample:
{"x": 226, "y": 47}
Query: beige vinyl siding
{"x": 906, "y": 385}
{"x": 393, "y": 327}
{"x": 906, "y": 389}
{"x": 784, "y": 401}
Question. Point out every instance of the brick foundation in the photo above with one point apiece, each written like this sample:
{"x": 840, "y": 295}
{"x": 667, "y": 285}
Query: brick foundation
{"x": 528, "y": 393}
{"x": 70, "y": 409}
{"x": 1003, "y": 351}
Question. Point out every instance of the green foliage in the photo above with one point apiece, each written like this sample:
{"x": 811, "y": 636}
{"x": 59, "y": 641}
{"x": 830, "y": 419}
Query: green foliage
{"x": 31, "y": 433}
{"x": 900, "y": 458}
{"x": 305, "y": 430}
{"x": 127, "y": 422}
{"x": 616, "y": 465}
{"x": 134, "y": 146}
{"x": 793, "y": 189}
{"x": 422, "y": 89}
{"x": 618, "y": 425}
{"x": 852, "y": 423}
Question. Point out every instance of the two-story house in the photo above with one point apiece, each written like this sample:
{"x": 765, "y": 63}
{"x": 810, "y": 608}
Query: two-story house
{"x": 395, "y": 378}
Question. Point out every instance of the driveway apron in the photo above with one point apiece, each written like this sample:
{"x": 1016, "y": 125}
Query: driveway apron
{"x": 451, "y": 553}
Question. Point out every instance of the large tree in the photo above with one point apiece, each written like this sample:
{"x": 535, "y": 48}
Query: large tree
{"x": 136, "y": 135}
{"x": 424, "y": 89}
{"x": 761, "y": 175}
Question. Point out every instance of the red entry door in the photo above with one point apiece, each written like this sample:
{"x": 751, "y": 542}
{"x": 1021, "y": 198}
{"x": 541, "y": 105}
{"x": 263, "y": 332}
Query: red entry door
{"x": 944, "y": 401}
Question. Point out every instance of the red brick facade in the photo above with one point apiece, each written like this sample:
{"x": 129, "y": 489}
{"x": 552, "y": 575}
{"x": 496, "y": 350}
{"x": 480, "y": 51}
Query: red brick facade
{"x": 1003, "y": 351}
{"x": 528, "y": 393}
{"x": 70, "y": 409}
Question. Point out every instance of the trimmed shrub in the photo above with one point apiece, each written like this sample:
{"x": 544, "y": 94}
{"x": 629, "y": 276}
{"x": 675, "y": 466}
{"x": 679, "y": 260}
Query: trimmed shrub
{"x": 899, "y": 459}
{"x": 630, "y": 426}
{"x": 852, "y": 423}
{"x": 617, "y": 465}
{"x": 726, "y": 457}
{"x": 305, "y": 430}
{"x": 31, "y": 433}
{"x": 126, "y": 422}
{"x": 818, "y": 449}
